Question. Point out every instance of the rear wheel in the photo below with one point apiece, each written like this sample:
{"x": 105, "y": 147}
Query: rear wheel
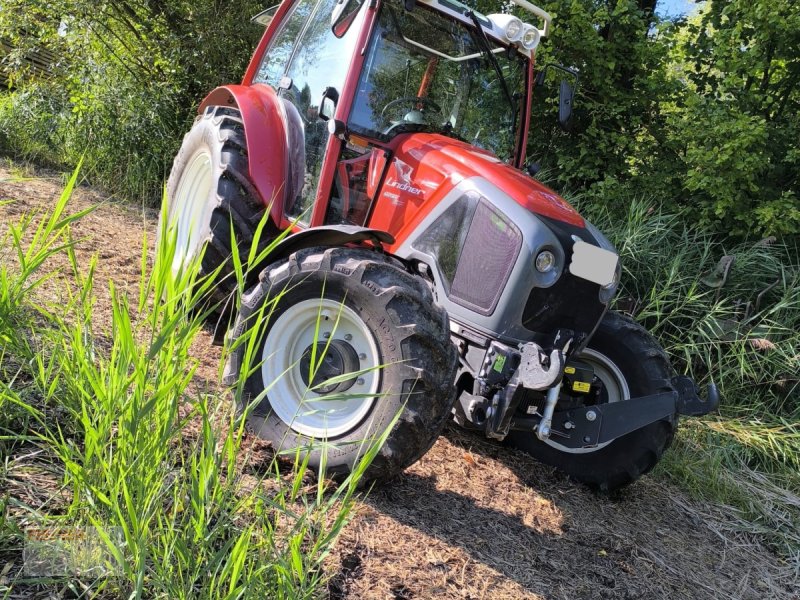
{"x": 629, "y": 363}
{"x": 212, "y": 203}
{"x": 349, "y": 311}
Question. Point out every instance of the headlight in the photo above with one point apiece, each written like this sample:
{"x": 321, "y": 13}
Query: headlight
{"x": 545, "y": 261}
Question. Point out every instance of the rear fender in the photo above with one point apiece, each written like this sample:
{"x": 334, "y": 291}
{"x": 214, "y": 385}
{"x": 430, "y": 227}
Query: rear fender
{"x": 264, "y": 119}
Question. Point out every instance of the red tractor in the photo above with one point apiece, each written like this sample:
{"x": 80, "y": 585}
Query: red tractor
{"x": 426, "y": 274}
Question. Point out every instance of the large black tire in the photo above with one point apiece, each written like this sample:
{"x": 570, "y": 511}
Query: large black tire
{"x": 623, "y": 345}
{"x": 411, "y": 336}
{"x": 210, "y": 184}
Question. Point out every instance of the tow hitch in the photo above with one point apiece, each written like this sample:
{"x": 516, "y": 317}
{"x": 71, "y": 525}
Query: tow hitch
{"x": 537, "y": 370}
{"x": 589, "y": 426}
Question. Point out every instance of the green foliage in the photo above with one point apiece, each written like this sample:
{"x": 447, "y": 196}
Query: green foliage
{"x": 32, "y": 121}
{"x": 125, "y": 88}
{"x": 738, "y": 326}
{"x": 700, "y": 113}
{"x": 607, "y": 43}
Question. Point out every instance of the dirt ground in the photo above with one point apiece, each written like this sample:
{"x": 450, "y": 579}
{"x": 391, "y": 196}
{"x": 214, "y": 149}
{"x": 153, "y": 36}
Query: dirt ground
{"x": 474, "y": 519}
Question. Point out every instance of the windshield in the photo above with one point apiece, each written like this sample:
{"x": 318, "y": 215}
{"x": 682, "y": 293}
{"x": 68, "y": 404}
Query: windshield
{"x": 425, "y": 72}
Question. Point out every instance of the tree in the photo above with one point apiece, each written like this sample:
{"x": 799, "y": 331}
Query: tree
{"x": 736, "y": 123}
{"x": 699, "y": 113}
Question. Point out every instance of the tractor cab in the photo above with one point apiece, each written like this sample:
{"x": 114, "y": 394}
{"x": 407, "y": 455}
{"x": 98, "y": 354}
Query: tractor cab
{"x": 355, "y": 76}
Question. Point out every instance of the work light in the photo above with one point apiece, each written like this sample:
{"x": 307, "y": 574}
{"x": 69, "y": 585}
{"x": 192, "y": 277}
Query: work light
{"x": 530, "y": 39}
{"x": 510, "y": 25}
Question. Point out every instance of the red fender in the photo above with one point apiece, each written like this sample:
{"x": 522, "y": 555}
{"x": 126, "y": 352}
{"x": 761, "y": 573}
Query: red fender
{"x": 265, "y": 132}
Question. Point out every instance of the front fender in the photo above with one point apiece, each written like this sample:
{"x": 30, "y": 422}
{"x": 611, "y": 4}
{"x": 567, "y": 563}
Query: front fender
{"x": 265, "y": 129}
{"x": 328, "y": 235}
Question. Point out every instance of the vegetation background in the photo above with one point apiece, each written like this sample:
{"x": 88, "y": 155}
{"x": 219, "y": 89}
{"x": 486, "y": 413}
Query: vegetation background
{"x": 700, "y": 112}
{"x": 684, "y": 148}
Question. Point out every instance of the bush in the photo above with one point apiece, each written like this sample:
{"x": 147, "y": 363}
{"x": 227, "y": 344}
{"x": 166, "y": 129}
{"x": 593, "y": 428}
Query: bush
{"x": 32, "y": 122}
{"x": 738, "y": 325}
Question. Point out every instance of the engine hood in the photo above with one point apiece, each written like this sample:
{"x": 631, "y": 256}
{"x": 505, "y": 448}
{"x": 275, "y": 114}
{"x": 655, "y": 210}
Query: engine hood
{"x": 425, "y": 167}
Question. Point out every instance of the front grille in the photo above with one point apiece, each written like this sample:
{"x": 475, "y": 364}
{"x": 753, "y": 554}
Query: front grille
{"x": 486, "y": 261}
{"x": 476, "y": 247}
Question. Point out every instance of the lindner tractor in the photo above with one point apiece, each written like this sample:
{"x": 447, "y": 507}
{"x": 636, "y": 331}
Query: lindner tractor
{"x": 426, "y": 274}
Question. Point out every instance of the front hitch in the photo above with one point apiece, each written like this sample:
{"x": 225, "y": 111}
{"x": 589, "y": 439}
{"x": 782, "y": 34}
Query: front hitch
{"x": 537, "y": 370}
{"x": 589, "y": 426}
{"x": 689, "y": 401}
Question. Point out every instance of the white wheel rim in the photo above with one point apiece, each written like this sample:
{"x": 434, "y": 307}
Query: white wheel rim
{"x": 615, "y": 384}
{"x": 292, "y": 333}
{"x": 190, "y": 213}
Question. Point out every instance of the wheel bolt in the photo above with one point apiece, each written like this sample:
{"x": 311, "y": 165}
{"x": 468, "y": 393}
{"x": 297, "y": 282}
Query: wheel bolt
{"x": 360, "y": 381}
{"x": 347, "y": 337}
{"x": 327, "y": 334}
{"x": 362, "y": 356}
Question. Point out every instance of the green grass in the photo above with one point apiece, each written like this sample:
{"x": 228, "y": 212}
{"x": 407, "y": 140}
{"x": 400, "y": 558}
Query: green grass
{"x": 133, "y": 449}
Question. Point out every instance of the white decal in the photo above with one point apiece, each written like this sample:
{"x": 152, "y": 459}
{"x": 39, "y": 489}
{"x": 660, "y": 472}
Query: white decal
{"x": 594, "y": 264}
{"x": 402, "y": 180}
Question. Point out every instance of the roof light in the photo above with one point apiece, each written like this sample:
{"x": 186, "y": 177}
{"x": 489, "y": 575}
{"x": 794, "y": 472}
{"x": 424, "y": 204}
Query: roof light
{"x": 511, "y": 27}
{"x": 513, "y": 30}
{"x": 531, "y": 37}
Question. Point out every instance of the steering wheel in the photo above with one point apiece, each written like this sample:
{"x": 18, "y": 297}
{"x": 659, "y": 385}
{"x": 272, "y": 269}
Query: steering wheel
{"x": 411, "y": 100}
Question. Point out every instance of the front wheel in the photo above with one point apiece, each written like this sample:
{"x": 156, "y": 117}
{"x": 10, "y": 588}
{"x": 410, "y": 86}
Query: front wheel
{"x": 629, "y": 363}
{"x": 327, "y": 313}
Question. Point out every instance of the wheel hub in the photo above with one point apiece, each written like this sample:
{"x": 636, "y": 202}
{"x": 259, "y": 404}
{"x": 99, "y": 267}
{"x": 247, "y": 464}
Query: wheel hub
{"x": 615, "y": 388}
{"x": 334, "y": 359}
{"x": 341, "y": 343}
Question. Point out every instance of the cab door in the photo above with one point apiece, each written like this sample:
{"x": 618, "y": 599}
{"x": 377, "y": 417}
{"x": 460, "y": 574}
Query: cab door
{"x": 318, "y": 60}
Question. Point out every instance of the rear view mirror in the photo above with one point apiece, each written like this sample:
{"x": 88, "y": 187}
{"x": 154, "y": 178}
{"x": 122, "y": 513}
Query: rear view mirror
{"x": 344, "y": 13}
{"x": 566, "y": 94}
